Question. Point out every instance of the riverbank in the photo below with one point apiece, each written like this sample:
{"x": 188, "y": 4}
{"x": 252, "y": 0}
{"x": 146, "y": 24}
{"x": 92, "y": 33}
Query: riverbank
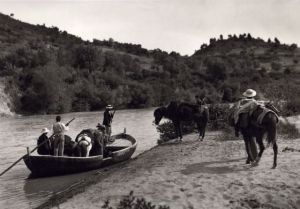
{"x": 5, "y": 101}
{"x": 194, "y": 174}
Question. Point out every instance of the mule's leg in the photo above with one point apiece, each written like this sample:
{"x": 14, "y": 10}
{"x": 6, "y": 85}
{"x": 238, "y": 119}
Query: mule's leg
{"x": 177, "y": 129}
{"x": 84, "y": 151}
{"x": 275, "y": 149}
{"x": 199, "y": 130}
{"x": 180, "y": 131}
{"x": 203, "y": 130}
{"x": 89, "y": 147}
{"x": 270, "y": 120}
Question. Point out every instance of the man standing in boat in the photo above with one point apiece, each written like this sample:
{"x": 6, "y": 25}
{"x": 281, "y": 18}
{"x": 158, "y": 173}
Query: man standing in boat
{"x": 59, "y": 136}
{"x": 107, "y": 118}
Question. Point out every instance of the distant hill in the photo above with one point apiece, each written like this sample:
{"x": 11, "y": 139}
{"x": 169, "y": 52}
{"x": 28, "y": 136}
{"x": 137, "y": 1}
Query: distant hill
{"x": 50, "y": 71}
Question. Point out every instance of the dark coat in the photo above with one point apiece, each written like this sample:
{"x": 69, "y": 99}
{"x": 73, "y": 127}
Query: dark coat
{"x": 107, "y": 118}
{"x": 46, "y": 147}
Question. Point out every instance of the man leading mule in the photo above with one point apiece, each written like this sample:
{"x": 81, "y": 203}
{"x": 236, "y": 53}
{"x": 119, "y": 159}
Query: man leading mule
{"x": 254, "y": 120}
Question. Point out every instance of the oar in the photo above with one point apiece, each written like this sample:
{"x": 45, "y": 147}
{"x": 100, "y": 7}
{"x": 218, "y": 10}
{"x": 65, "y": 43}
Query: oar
{"x": 31, "y": 151}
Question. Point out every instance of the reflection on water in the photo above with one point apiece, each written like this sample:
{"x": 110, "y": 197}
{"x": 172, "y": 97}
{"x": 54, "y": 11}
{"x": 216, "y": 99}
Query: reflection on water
{"x": 17, "y": 133}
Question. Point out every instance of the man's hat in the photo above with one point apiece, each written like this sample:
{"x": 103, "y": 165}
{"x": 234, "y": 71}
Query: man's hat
{"x": 45, "y": 130}
{"x": 249, "y": 93}
{"x": 109, "y": 107}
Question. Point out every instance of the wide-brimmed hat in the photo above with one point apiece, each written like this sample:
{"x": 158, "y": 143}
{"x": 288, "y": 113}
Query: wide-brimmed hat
{"x": 45, "y": 130}
{"x": 249, "y": 93}
{"x": 109, "y": 107}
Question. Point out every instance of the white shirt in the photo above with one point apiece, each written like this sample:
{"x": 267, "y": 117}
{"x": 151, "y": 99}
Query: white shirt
{"x": 59, "y": 128}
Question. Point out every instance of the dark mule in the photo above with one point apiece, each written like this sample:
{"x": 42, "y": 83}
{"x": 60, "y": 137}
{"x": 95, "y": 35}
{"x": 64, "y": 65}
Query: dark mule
{"x": 178, "y": 112}
{"x": 255, "y": 130}
{"x": 69, "y": 146}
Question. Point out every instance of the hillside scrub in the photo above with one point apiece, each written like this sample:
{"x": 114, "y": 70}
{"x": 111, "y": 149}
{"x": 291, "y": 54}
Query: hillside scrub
{"x": 56, "y": 72}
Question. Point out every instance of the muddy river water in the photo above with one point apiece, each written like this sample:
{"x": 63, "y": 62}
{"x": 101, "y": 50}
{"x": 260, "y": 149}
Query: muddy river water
{"x": 19, "y": 132}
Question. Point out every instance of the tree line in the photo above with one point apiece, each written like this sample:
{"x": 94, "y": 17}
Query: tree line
{"x": 51, "y": 71}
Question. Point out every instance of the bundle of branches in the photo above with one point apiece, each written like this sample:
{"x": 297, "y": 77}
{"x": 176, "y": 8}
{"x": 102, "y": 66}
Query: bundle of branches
{"x": 167, "y": 132}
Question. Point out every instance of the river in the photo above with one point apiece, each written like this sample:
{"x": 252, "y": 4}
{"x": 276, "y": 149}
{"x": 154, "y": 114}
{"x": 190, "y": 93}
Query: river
{"x": 19, "y": 132}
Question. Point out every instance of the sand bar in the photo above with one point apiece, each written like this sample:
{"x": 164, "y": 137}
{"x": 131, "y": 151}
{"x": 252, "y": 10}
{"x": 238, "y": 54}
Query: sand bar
{"x": 195, "y": 174}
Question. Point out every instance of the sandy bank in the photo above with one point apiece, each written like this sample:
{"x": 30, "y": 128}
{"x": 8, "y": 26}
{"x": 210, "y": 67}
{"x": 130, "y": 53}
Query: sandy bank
{"x": 194, "y": 174}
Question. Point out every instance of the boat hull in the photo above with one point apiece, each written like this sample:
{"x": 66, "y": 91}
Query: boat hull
{"x": 47, "y": 165}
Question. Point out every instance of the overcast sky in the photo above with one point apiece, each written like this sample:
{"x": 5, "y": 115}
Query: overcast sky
{"x": 171, "y": 25}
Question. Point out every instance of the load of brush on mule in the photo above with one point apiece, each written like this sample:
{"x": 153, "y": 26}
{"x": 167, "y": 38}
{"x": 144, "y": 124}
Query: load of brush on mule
{"x": 48, "y": 165}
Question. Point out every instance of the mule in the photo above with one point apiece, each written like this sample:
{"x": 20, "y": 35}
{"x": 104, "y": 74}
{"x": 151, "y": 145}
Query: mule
{"x": 84, "y": 145}
{"x": 94, "y": 142}
{"x": 69, "y": 146}
{"x": 257, "y": 130}
{"x": 180, "y": 111}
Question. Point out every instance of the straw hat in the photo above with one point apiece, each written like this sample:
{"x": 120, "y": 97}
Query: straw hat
{"x": 249, "y": 93}
{"x": 45, "y": 130}
{"x": 109, "y": 107}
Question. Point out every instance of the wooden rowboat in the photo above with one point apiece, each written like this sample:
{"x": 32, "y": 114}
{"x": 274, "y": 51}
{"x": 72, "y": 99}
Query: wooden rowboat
{"x": 48, "y": 165}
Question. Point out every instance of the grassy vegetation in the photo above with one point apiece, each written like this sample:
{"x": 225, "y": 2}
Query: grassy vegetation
{"x": 132, "y": 202}
{"x": 288, "y": 130}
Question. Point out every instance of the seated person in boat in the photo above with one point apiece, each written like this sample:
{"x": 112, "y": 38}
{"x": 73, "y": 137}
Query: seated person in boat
{"x": 43, "y": 142}
{"x": 59, "y": 136}
{"x": 91, "y": 142}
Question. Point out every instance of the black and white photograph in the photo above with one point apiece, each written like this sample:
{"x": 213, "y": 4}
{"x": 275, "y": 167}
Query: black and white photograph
{"x": 150, "y": 104}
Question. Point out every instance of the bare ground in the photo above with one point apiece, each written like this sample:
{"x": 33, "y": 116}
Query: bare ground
{"x": 195, "y": 174}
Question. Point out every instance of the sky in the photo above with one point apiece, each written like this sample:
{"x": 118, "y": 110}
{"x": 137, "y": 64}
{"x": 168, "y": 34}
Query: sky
{"x": 170, "y": 25}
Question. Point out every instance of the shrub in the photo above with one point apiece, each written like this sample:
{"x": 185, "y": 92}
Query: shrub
{"x": 216, "y": 72}
{"x": 293, "y": 106}
{"x": 218, "y": 116}
{"x": 132, "y": 202}
{"x": 276, "y": 66}
{"x": 167, "y": 132}
{"x": 288, "y": 130}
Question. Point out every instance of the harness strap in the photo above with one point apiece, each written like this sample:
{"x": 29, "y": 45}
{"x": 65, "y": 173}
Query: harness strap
{"x": 264, "y": 113}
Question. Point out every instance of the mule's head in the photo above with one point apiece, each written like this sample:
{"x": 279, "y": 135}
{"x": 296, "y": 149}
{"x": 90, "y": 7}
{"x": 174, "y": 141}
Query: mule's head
{"x": 159, "y": 113}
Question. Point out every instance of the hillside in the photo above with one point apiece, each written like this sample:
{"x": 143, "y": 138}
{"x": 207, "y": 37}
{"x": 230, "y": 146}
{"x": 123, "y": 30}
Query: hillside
{"x": 50, "y": 71}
